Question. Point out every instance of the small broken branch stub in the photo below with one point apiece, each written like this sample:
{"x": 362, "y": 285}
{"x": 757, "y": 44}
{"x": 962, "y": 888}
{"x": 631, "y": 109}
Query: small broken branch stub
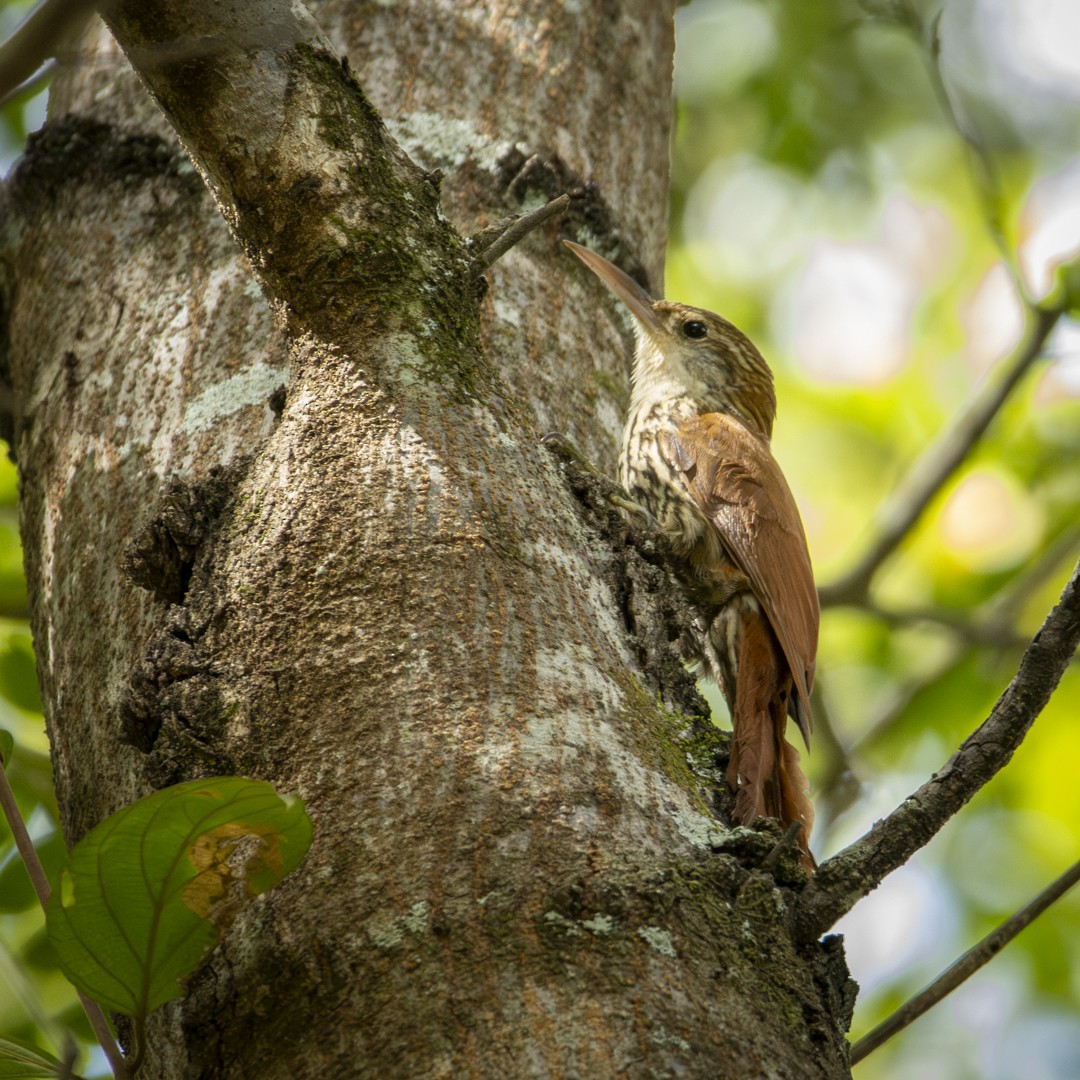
{"x": 501, "y": 237}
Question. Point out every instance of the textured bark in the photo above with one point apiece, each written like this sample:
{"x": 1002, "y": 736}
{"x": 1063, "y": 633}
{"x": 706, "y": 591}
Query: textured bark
{"x": 335, "y": 556}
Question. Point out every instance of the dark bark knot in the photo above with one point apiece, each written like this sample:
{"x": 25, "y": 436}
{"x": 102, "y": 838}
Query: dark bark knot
{"x": 588, "y": 216}
{"x": 162, "y": 555}
{"x": 173, "y": 708}
{"x": 73, "y": 150}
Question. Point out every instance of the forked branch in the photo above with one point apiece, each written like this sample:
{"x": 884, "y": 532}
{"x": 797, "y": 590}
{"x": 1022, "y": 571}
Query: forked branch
{"x": 496, "y": 241}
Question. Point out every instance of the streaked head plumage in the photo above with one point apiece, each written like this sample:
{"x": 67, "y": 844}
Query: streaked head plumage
{"x": 688, "y": 351}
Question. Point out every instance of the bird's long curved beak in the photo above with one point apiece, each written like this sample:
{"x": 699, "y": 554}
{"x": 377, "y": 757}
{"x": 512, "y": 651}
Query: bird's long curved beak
{"x": 625, "y": 288}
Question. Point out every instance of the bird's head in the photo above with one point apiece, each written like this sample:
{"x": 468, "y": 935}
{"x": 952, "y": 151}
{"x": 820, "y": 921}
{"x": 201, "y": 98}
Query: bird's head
{"x": 688, "y": 351}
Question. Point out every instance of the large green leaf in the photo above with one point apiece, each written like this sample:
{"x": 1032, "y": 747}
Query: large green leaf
{"x": 21, "y": 1061}
{"x": 145, "y": 895}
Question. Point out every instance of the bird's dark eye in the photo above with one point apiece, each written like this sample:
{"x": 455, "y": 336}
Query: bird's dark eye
{"x": 694, "y": 329}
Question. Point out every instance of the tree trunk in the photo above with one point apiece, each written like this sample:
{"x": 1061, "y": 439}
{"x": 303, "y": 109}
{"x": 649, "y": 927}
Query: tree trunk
{"x": 334, "y": 555}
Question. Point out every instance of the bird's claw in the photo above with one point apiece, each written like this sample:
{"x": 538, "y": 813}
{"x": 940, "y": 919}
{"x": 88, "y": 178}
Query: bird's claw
{"x": 614, "y": 494}
{"x": 618, "y": 497}
{"x": 567, "y": 452}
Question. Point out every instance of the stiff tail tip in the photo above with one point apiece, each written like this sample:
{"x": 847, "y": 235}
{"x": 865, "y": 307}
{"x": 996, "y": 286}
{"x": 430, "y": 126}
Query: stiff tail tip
{"x": 768, "y": 781}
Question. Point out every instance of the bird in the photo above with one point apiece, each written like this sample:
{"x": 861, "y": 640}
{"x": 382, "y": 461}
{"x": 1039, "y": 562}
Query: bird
{"x": 696, "y": 458}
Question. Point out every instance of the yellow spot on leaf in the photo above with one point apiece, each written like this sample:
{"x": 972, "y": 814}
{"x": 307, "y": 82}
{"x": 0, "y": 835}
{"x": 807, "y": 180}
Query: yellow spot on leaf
{"x": 67, "y": 889}
{"x": 227, "y": 858}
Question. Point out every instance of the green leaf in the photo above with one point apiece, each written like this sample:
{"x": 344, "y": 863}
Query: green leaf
{"x": 7, "y": 745}
{"x": 18, "y": 674}
{"x": 21, "y": 1061}
{"x": 146, "y": 893}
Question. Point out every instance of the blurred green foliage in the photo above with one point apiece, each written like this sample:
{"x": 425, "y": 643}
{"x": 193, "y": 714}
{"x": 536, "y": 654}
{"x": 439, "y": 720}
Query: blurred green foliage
{"x": 866, "y": 217}
{"x": 865, "y": 214}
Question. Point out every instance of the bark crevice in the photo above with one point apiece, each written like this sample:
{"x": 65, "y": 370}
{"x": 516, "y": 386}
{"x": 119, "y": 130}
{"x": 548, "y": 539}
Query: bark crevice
{"x": 162, "y": 554}
{"x": 174, "y": 709}
{"x": 590, "y": 217}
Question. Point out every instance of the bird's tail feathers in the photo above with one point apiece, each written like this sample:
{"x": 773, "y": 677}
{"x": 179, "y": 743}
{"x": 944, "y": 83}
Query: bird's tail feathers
{"x": 764, "y": 770}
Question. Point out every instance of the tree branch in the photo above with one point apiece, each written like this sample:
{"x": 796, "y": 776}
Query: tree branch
{"x": 966, "y": 966}
{"x": 498, "y": 240}
{"x": 901, "y": 700}
{"x": 984, "y": 171}
{"x": 844, "y": 879}
{"x": 41, "y": 35}
{"x": 973, "y": 631}
{"x": 900, "y": 512}
{"x": 341, "y": 227}
{"x": 1006, "y": 605}
{"x": 992, "y": 625}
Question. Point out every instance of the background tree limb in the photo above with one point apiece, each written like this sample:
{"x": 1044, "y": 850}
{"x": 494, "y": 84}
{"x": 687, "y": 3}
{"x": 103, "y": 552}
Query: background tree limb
{"x": 966, "y": 966}
{"x": 45, "y": 32}
{"x": 905, "y": 506}
{"x": 848, "y": 876}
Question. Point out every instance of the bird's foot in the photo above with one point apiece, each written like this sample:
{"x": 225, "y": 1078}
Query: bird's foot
{"x": 612, "y": 493}
{"x": 568, "y": 453}
{"x": 618, "y": 497}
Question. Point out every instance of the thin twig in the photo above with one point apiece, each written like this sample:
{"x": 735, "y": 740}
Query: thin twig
{"x": 1017, "y": 591}
{"x": 902, "y": 510}
{"x": 103, "y": 1033}
{"x": 991, "y": 625}
{"x": 966, "y": 966}
{"x": 985, "y": 173}
{"x": 974, "y": 631}
{"x": 25, "y": 845}
{"x": 516, "y": 231}
{"x": 68, "y": 1059}
{"x": 786, "y": 841}
{"x": 984, "y": 169}
{"x": 30, "y": 87}
{"x": 40, "y": 882}
{"x": 844, "y": 879}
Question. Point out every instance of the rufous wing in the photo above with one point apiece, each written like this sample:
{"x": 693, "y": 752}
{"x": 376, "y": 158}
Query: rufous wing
{"x": 731, "y": 474}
